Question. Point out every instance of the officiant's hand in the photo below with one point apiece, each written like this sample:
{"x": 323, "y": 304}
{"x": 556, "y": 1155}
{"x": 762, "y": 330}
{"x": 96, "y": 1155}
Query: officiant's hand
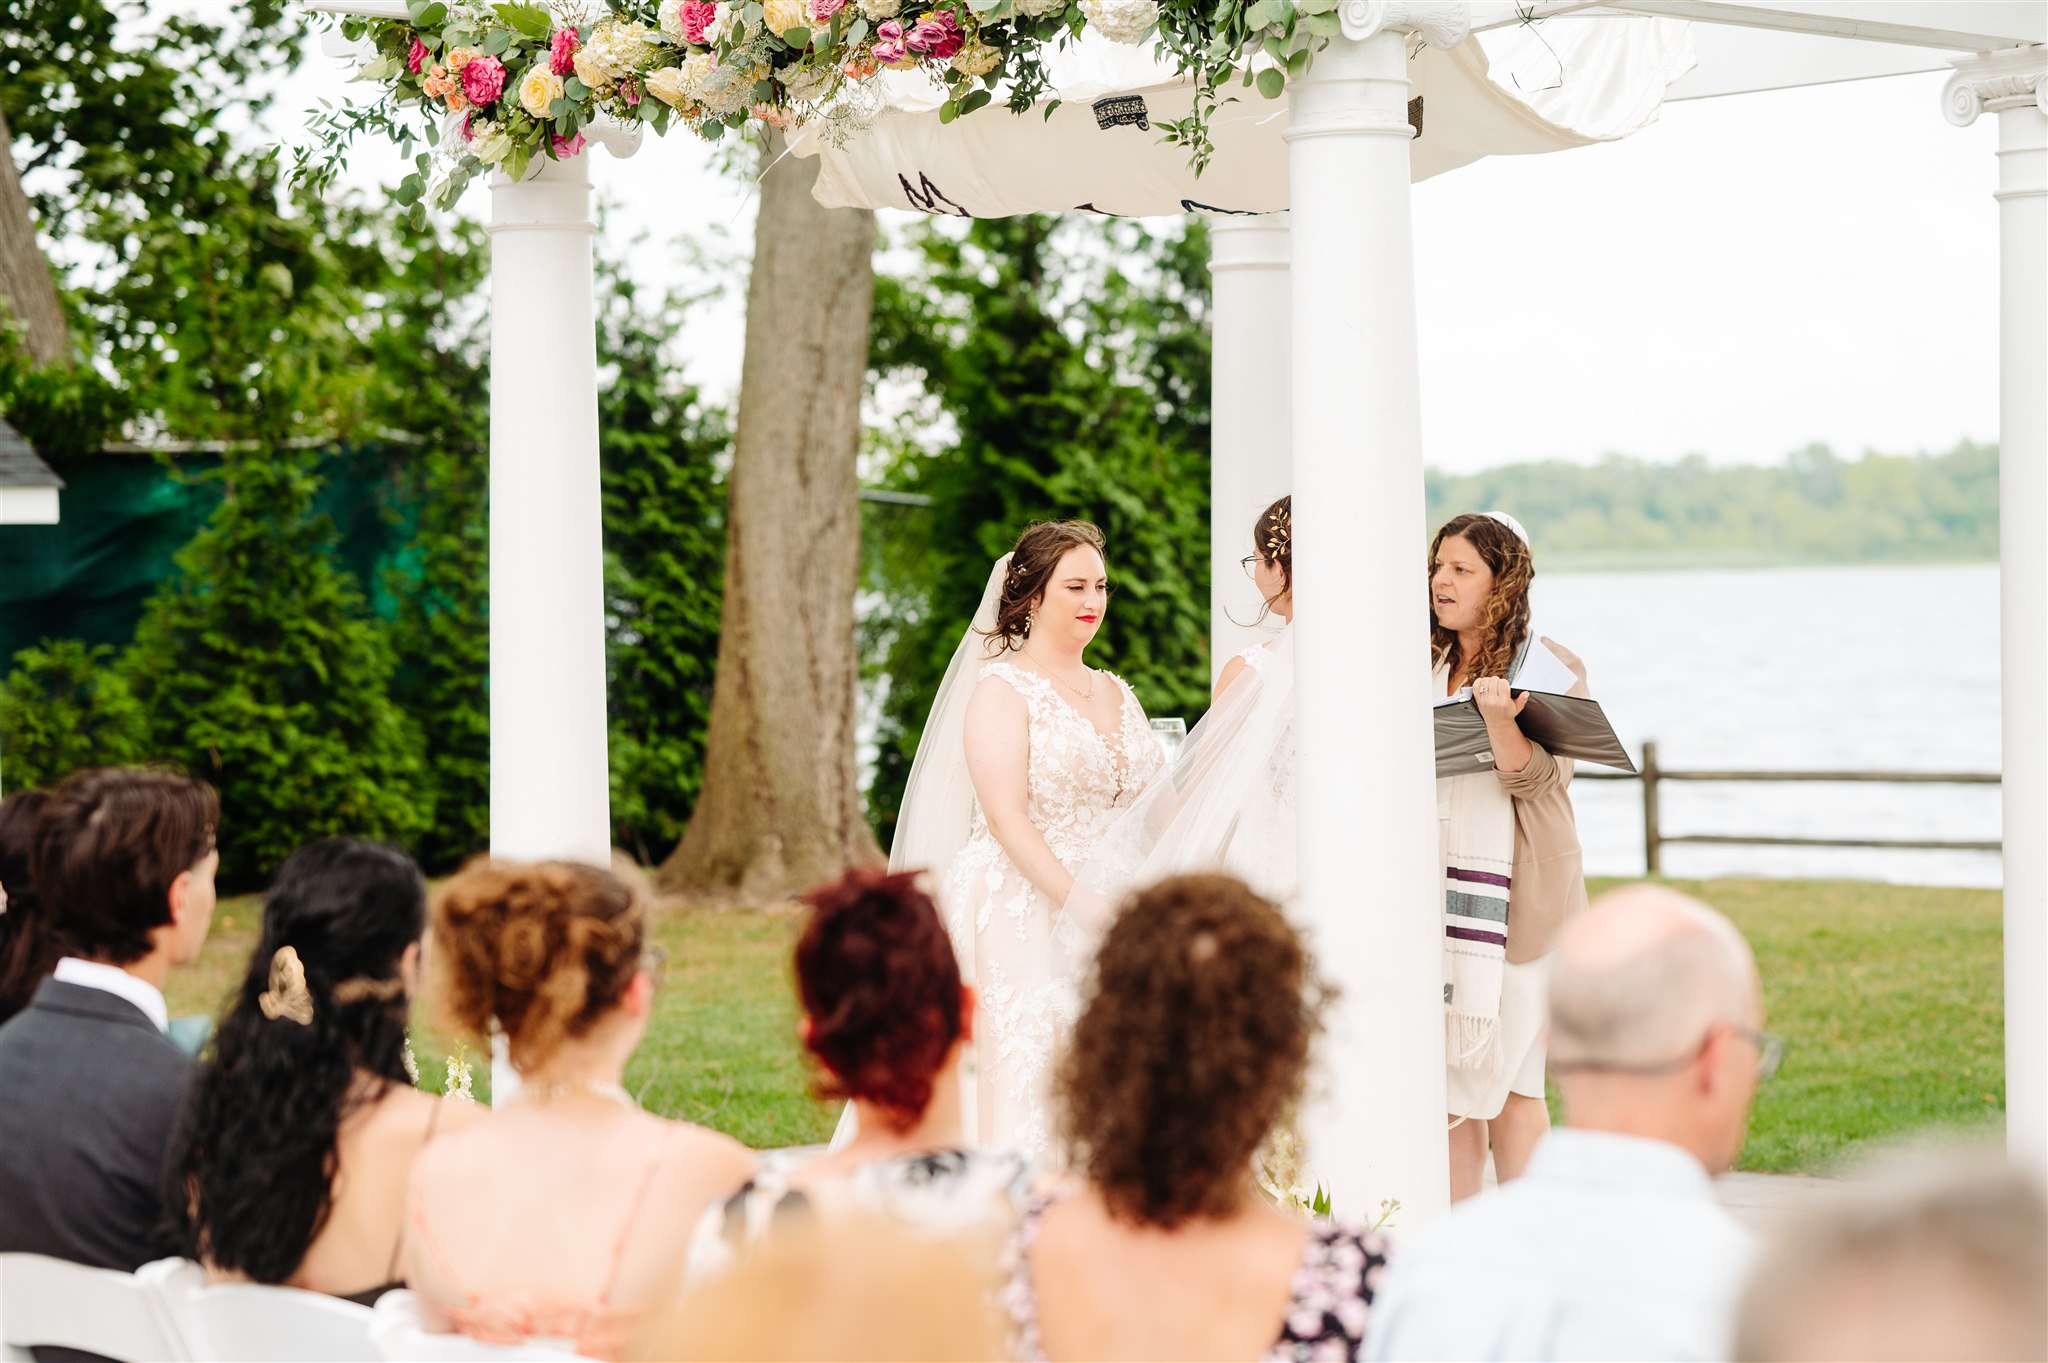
{"x": 1497, "y": 703}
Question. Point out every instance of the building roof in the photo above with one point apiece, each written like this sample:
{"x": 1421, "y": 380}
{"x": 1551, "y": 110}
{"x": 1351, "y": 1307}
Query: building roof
{"x": 20, "y": 466}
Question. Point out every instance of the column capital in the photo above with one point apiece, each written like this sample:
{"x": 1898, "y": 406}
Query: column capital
{"x": 1442, "y": 23}
{"x": 2010, "y": 78}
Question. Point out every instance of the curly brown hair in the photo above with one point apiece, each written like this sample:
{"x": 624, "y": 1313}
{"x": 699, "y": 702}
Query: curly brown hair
{"x": 1195, "y": 1038}
{"x": 1507, "y": 607}
{"x": 541, "y": 949}
{"x": 1037, "y": 553}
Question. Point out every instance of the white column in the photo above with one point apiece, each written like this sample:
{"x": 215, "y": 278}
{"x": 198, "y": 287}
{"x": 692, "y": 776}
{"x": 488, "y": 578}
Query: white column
{"x": 2012, "y": 83}
{"x": 549, "y": 781}
{"x": 1370, "y": 884}
{"x": 1250, "y": 460}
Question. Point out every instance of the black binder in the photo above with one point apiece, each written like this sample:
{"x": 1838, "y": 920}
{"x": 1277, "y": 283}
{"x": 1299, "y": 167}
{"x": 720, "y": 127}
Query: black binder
{"x": 1567, "y": 726}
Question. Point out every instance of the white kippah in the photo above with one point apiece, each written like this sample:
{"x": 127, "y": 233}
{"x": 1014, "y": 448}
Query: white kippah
{"x": 1511, "y": 523}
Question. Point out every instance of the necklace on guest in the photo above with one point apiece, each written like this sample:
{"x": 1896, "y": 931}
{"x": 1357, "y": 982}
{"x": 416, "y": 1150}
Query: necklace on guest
{"x": 1087, "y": 695}
{"x": 593, "y": 1088}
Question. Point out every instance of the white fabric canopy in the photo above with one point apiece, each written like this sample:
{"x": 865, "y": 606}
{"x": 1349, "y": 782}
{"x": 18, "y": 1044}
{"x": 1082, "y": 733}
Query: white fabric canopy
{"x": 1564, "y": 82}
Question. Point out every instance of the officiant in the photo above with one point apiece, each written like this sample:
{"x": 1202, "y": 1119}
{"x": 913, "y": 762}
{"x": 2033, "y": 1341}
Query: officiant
{"x": 1513, "y": 868}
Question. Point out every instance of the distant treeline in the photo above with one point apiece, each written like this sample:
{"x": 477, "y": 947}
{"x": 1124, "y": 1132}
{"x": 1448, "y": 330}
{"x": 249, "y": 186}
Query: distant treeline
{"x": 1813, "y": 507}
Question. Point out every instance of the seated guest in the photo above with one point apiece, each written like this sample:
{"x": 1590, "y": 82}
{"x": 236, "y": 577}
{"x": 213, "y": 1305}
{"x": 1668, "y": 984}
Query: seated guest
{"x": 123, "y": 864}
{"x": 887, "y": 1017}
{"x": 1611, "y": 1245}
{"x": 1195, "y": 1037}
{"x": 300, "y": 1133}
{"x": 28, "y": 949}
{"x": 566, "y": 1212}
{"x": 1949, "y": 1262}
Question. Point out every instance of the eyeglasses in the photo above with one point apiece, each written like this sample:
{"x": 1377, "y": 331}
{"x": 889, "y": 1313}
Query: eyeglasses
{"x": 1770, "y": 1054}
{"x": 1250, "y": 564}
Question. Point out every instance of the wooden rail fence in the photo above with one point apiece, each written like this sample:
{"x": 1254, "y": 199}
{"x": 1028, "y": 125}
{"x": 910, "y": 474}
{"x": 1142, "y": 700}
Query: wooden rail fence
{"x": 1655, "y": 838}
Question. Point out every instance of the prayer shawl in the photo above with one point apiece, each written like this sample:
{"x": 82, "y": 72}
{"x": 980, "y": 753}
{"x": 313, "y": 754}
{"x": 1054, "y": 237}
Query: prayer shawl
{"x": 1476, "y": 830}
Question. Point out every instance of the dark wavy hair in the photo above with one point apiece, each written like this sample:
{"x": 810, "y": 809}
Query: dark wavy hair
{"x": 109, "y": 846}
{"x": 542, "y": 950}
{"x": 1194, "y": 1038}
{"x": 254, "y": 1162}
{"x": 29, "y": 943}
{"x": 1037, "y": 553}
{"x": 879, "y": 982}
{"x": 1506, "y": 621}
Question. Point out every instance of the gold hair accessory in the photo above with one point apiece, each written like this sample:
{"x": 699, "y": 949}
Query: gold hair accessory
{"x": 1282, "y": 534}
{"x": 368, "y": 987}
{"x": 287, "y": 996}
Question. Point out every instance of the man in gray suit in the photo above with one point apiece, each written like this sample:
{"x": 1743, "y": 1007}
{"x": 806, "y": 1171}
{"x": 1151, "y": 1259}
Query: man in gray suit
{"x": 90, "y": 1085}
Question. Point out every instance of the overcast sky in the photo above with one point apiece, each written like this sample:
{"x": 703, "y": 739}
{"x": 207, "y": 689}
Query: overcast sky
{"x": 1747, "y": 275}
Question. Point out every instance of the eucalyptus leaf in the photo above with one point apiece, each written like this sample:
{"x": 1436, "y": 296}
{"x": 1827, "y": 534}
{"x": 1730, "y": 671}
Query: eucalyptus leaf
{"x": 574, "y": 88}
{"x": 432, "y": 16}
{"x": 1275, "y": 45}
{"x": 1271, "y": 82}
{"x": 561, "y": 108}
{"x": 1297, "y": 64}
{"x": 974, "y": 101}
{"x": 856, "y": 32}
{"x": 495, "y": 42}
{"x": 798, "y": 37}
{"x": 455, "y": 35}
{"x": 1259, "y": 15}
{"x": 529, "y": 21}
{"x": 408, "y": 191}
{"x": 948, "y": 111}
{"x": 1322, "y": 25}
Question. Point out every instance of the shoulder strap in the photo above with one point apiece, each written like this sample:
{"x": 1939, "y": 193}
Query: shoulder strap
{"x": 639, "y": 1204}
{"x": 398, "y": 1246}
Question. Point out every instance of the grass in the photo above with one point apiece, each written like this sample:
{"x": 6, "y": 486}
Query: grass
{"x": 1889, "y": 997}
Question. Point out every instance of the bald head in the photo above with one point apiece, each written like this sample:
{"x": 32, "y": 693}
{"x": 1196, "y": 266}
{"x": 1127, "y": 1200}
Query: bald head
{"x": 1644, "y": 973}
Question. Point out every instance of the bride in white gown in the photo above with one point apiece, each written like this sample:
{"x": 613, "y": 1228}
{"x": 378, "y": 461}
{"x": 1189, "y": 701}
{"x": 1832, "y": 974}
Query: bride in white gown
{"x": 1028, "y": 756}
{"x": 1228, "y": 802}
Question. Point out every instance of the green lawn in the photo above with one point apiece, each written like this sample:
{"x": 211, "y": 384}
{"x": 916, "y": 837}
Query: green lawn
{"x": 1889, "y": 998}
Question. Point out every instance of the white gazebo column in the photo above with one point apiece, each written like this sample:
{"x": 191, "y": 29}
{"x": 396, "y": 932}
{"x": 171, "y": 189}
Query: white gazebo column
{"x": 1250, "y": 460}
{"x": 549, "y": 780}
{"x": 1370, "y": 881}
{"x": 2012, "y": 83}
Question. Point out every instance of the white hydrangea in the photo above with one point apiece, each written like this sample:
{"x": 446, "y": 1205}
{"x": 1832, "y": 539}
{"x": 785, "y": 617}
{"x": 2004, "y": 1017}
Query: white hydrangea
{"x": 672, "y": 20}
{"x": 720, "y": 25}
{"x": 809, "y": 84}
{"x": 877, "y": 10}
{"x": 1038, "y": 9}
{"x": 1121, "y": 21}
{"x": 619, "y": 49}
{"x": 721, "y": 90}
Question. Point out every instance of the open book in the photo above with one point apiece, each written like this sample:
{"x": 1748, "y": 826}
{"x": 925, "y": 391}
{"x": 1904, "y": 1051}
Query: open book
{"x": 1567, "y": 726}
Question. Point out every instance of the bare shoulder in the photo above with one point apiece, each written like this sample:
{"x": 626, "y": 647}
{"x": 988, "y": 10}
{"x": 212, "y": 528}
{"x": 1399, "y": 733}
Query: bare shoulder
{"x": 701, "y": 1155}
{"x": 1232, "y": 670}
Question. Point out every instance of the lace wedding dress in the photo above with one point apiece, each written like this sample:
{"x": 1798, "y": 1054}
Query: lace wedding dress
{"x": 1080, "y": 779}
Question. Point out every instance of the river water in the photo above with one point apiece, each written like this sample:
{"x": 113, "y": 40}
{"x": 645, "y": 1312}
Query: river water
{"x": 1849, "y": 669}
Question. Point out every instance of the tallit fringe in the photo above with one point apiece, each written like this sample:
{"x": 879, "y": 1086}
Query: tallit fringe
{"x": 1473, "y": 1043}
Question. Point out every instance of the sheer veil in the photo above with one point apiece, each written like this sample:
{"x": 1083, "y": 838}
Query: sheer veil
{"x": 938, "y": 800}
{"x": 1226, "y": 803}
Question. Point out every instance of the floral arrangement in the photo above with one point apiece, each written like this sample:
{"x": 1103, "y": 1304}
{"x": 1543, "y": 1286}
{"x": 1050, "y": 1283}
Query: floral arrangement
{"x": 503, "y": 83}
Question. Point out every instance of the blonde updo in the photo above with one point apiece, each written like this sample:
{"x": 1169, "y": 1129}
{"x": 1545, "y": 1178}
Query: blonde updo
{"x": 542, "y": 949}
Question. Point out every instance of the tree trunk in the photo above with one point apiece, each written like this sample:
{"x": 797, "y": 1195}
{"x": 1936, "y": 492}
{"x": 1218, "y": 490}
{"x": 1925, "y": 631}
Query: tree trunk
{"x": 780, "y": 808}
{"x": 25, "y": 284}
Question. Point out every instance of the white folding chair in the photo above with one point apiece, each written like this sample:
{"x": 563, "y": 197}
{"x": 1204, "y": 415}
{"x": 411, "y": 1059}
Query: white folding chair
{"x": 400, "y": 1333}
{"x": 52, "y": 1302}
{"x": 254, "y": 1323}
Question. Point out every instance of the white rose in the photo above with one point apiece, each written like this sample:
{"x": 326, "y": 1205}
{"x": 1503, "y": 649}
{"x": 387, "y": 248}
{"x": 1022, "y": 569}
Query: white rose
{"x": 672, "y": 19}
{"x": 1038, "y": 9}
{"x": 720, "y": 23}
{"x": 783, "y": 15}
{"x": 592, "y": 74}
{"x": 539, "y": 88}
{"x": 668, "y": 86}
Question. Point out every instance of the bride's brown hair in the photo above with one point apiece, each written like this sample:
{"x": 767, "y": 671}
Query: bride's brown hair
{"x": 1039, "y": 551}
{"x": 1506, "y": 619}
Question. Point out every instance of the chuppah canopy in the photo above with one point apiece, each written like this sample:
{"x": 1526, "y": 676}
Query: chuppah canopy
{"x": 1096, "y": 144}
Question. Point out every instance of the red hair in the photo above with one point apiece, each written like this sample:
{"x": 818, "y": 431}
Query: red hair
{"x": 879, "y": 983}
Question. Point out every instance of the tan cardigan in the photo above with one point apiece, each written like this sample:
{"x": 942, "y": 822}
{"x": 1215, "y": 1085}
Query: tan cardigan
{"x": 1550, "y": 870}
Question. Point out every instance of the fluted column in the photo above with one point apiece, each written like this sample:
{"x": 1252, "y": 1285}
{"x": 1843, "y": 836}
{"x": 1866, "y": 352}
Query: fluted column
{"x": 2014, "y": 84}
{"x": 1250, "y": 460}
{"x": 1370, "y": 884}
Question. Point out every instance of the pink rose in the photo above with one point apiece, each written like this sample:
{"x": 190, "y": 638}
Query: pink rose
{"x": 697, "y": 16}
{"x": 562, "y": 52}
{"x": 483, "y": 80}
{"x": 890, "y": 48}
{"x": 566, "y": 147}
{"x": 823, "y": 10}
{"x": 467, "y": 135}
{"x": 416, "y": 58}
{"x": 936, "y": 35}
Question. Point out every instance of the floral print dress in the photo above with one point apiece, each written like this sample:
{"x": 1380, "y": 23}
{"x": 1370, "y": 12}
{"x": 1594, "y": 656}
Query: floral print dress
{"x": 1327, "y": 1310}
{"x": 1002, "y": 924}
